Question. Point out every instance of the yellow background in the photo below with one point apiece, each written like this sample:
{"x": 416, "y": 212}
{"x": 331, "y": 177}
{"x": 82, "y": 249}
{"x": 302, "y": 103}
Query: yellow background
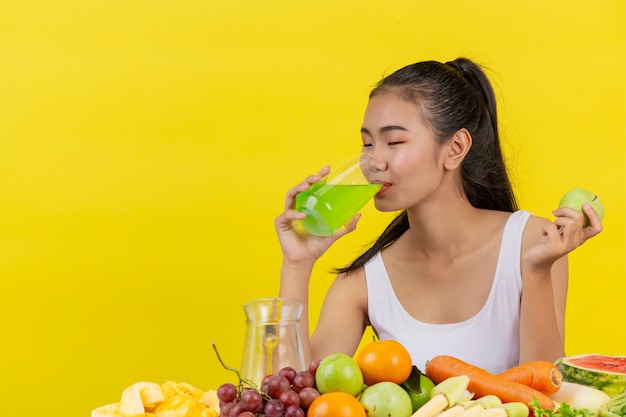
{"x": 146, "y": 146}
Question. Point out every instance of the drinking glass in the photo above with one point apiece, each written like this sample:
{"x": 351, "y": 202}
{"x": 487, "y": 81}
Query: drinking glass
{"x": 332, "y": 202}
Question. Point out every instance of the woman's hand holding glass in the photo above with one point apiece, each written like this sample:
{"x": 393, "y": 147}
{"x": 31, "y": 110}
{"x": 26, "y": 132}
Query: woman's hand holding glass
{"x": 297, "y": 245}
{"x": 323, "y": 208}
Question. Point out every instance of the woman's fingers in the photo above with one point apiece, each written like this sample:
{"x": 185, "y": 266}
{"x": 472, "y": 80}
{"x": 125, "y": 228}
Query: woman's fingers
{"x": 564, "y": 235}
{"x": 285, "y": 219}
{"x": 347, "y": 228}
{"x": 554, "y": 235}
{"x": 571, "y": 220}
{"x": 595, "y": 223}
{"x": 571, "y": 235}
{"x": 568, "y": 216}
{"x": 293, "y": 192}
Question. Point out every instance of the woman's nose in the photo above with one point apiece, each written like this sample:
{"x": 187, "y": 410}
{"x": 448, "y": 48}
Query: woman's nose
{"x": 376, "y": 161}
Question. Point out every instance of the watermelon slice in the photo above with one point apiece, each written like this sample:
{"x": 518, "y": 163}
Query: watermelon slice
{"x": 606, "y": 373}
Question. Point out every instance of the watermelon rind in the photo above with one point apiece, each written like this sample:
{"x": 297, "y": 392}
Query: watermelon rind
{"x": 612, "y": 383}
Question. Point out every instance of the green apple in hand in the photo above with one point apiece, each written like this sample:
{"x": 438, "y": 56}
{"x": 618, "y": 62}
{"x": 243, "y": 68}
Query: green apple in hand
{"x": 386, "y": 399}
{"x": 339, "y": 372}
{"x": 575, "y": 198}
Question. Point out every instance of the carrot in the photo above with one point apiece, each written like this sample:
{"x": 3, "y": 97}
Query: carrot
{"x": 484, "y": 383}
{"x": 543, "y": 376}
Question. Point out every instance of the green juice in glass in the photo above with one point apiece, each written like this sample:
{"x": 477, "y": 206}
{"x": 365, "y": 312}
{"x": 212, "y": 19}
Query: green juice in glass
{"x": 329, "y": 206}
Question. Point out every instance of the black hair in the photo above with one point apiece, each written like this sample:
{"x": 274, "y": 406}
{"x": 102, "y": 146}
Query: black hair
{"x": 452, "y": 96}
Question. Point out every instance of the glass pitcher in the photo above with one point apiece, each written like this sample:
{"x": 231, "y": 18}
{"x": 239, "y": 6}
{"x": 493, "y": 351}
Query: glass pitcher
{"x": 272, "y": 338}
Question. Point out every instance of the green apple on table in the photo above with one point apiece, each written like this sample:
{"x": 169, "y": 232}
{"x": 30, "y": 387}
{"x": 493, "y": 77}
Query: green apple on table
{"x": 339, "y": 372}
{"x": 418, "y": 386}
{"x": 386, "y": 399}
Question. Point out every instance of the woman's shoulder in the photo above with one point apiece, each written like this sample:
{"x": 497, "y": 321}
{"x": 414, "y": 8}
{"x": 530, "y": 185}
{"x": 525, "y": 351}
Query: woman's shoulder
{"x": 354, "y": 277}
{"x": 492, "y": 222}
{"x": 349, "y": 279}
{"x": 534, "y": 230}
{"x": 535, "y": 225}
{"x": 531, "y": 223}
{"x": 350, "y": 286}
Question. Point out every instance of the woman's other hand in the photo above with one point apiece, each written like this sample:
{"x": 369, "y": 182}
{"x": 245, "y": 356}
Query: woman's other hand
{"x": 564, "y": 235}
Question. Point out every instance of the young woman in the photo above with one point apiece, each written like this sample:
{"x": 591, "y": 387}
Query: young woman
{"x": 461, "y": 270}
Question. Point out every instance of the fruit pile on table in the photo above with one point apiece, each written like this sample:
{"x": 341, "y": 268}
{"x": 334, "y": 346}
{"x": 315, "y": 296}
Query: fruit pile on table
{"x": 170, "y": 399}
{"x": 382, "y": 382}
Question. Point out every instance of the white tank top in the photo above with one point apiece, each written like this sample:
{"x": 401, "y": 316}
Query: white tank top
{"x": 489, "y": 340}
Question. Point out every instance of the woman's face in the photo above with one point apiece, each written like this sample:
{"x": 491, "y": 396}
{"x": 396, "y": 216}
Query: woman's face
{"x": 406, "y": 159}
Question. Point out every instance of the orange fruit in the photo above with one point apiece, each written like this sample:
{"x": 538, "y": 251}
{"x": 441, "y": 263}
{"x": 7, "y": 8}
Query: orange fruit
{"x": 384, "y": 361}
{"x": 336, "y": 404}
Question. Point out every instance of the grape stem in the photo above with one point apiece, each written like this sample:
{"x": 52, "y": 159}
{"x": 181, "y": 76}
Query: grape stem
{"x": 242, "y": 380}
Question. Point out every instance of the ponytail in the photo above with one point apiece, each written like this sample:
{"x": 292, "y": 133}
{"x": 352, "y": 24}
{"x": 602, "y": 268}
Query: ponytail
{"x": 485, "y": 179}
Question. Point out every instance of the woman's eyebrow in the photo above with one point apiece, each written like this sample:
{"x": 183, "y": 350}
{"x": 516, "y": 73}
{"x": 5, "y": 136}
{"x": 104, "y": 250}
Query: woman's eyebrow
{"x": 385, "y": 129}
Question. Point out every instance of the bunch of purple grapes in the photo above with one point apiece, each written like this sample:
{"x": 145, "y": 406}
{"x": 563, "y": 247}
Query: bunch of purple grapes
{"x": 286, "y": 394}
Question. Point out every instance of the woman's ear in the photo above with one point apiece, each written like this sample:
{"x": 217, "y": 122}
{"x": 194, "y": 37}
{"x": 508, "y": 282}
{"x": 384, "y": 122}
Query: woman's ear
{"x": 457, "y": 147}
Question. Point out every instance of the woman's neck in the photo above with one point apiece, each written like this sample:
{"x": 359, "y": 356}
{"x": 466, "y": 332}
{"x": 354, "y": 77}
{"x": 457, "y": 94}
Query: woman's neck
{"x": 443, "y": 229}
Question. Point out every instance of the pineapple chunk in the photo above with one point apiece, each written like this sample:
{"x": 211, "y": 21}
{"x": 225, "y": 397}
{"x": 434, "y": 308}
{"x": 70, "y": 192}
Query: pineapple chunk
{"x": 209, "y": 412}
{"x": 109, "y": 410}
{"x": 183, "y": 389}
{"x": 211, "y": 400}
{"x": 172, "y": 399}
{"x": 138, "y": 396}
{"x": 179, "y": 406}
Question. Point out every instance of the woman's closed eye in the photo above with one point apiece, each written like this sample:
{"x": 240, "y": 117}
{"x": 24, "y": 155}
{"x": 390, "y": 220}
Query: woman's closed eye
{"x": 390, "y": 143}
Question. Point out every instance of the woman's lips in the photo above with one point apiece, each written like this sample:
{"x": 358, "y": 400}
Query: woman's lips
{"x": 383, "y": 189}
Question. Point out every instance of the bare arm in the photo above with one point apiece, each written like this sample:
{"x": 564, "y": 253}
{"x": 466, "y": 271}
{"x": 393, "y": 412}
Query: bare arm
{"x": 545, "y": 280}
{"x": 300, "y": 252}
{"x": 343, "y": 317}
{"x": 542, "y": 317}
{"x": 294, "y": 283}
